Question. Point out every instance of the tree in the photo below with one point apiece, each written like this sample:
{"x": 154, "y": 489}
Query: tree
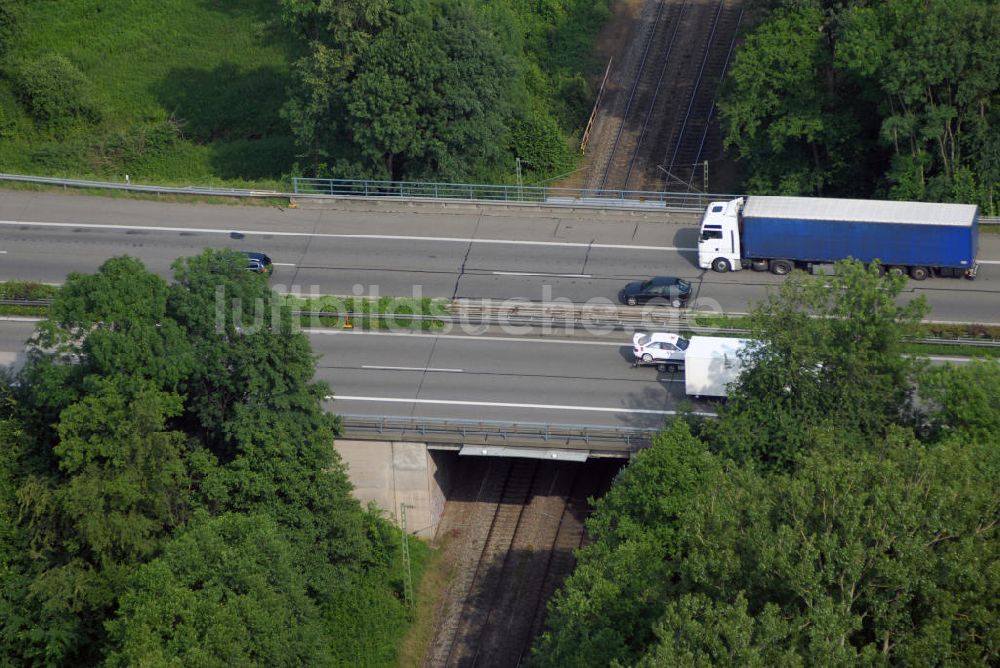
{"x": 118, "y": 493}
{"x": 225, "y": 592}
{"x": 892, "y": 99}
{"x": 869, "y": 552}
{"x": 621, "y": 585}
{"x": 417, "y": 90}
{"x": 144, "y": 405}
{"x": 814, "y": 338}
{"x": 961, "y": 400}
{"x": 430, "y": 99}
{"x": 788, "y": 114}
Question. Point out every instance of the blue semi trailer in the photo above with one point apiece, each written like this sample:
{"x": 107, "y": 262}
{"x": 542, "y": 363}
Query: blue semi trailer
{"x": 778, "y": 234}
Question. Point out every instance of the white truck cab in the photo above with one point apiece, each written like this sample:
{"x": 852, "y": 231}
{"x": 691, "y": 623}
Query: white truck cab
{"x": 719, "y": 240}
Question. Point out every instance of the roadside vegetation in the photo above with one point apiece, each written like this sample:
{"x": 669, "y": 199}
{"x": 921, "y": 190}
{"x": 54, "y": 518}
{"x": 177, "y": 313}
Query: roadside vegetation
{"x": 249, "y": 93}
{"x": 890, "y": 100}
{"x": 842, "y": 510}
{"x": 169, "y": 491}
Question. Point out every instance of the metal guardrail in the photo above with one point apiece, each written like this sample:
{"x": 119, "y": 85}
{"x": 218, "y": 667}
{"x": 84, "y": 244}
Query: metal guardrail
{"x": 497, "y": 433}
{"x": 514, "y": 194}
{"x": 136, "y": 187}
{"x": 541, "y": 314}
{"x": 418, "y": 190}
{"x": 566, "y": 316}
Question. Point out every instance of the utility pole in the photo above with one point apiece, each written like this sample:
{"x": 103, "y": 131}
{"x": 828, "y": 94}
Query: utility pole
{"x": 517, "y": 162}
{"x": 407, "y": 569}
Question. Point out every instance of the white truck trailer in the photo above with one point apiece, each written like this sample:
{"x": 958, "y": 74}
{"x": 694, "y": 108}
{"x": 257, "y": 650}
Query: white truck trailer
{"x": 711, "y": 363}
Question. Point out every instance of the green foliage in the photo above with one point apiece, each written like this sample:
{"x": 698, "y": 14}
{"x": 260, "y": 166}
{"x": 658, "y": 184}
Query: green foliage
{"x": 809, "y": 524}
{"x": 427, "y": 89}
{"x": 621, "y": 585}
{"x": 55, "y": 92}
{"x": 159, "y": 90}
{"x": 118, "y": 493}
{"x": 173, "y": 491}
{"x": 795, "y": 134}
{"x": 894, "y": 99}
{"x": 225, "y": 592}
{"x": 871, "y": 552}
{"x": 962, "y": 399}
{"x": 26, "y": 290}
{"x": 814, "y": 338}
{"x": 172, "y": 80}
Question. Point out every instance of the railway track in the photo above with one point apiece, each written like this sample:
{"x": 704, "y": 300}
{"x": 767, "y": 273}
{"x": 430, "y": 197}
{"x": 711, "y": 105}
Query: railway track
{"x": 689, "y": 137}
{"x": 515, "y": 525}
{"x": 473, "y": 504}
{"x": 658, "y": 117}
{"x": 488, "y": 573}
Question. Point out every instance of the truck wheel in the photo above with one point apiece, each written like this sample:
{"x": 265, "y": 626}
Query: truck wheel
{"x": 676, "y": 303}
{"x": 631, "y": 301}
{"x": 721, "y": 265}
{"x": 896, "y": 271}
{"x": 758, "y": 265}
{"x": 919, "y": 273}
{"x": 780, "y": 267}
{"x": 647, "y": 358}
{"x": 671, "y": 368}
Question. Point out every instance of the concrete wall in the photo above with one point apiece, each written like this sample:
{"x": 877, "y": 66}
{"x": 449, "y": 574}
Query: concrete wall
{"x": 392, "y": 473}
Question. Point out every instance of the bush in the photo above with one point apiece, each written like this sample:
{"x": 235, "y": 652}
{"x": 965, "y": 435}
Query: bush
{"x": 127, "y": 148}
{"x": 55, "y": 92}
{"x": 26, "y": 290}
{"x": 8, "y": 26}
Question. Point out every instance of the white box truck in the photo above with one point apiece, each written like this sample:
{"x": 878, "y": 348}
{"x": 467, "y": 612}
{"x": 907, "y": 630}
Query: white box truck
{"x": 711, "y": 363}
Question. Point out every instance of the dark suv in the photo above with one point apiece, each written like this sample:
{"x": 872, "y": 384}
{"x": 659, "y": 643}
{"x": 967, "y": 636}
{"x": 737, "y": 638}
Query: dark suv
{"x": 670, "y": 290}
{"x": 258, "y": 262}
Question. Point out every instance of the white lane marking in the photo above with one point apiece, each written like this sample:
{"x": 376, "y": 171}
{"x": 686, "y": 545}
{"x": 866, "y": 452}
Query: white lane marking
{"x": 283, "y": 264}
{"x": 3, "y": 252}
{"x": 383, "y": 237}
{"x": 988, "y": 261}
{"x": 494, "y": 404}
{"x": 521, "y": 339}
{"x": 410, "y": 368}
{"x": 528, "y": 273}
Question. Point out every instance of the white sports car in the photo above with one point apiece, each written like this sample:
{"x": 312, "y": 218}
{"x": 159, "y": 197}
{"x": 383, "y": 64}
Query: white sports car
{"x": 664, "y": 350}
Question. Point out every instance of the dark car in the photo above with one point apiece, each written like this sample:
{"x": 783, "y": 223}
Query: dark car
{"x": 258, "y": 262}
{"x": 668, "y": 289}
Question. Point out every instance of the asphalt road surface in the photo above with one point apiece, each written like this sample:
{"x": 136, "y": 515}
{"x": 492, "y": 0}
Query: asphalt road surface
{"x": 450, "y": 252}
{"x": 578, "y": 382}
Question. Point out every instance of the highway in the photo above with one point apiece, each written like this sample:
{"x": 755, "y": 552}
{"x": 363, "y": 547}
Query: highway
{"x": 560, "y": 381}
{"x": 446, "y": 252}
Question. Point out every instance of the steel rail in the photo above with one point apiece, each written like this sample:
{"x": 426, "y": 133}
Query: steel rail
{"x": 656, "y": 93}
{"x": 697, "y": 85}
{"x": 635, "y": 86}
{"x": 711, "y": 111}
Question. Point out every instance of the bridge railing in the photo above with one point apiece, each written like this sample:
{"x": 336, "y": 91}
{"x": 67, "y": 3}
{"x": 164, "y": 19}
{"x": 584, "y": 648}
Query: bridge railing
{"x": 417, "y": 190}
{"x": 541, "y": 195}
{"x": 496, "y": 433}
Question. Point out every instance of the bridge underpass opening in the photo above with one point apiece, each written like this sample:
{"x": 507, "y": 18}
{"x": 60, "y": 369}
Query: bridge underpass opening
{"x": 507, "y": 527}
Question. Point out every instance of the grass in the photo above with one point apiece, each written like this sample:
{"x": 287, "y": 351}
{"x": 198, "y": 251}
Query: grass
{"x": 437, "y": 572}
{"x": 217, "y": 69}
{"x": 281, "y": 202}
{"x": 366, "y": 312}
